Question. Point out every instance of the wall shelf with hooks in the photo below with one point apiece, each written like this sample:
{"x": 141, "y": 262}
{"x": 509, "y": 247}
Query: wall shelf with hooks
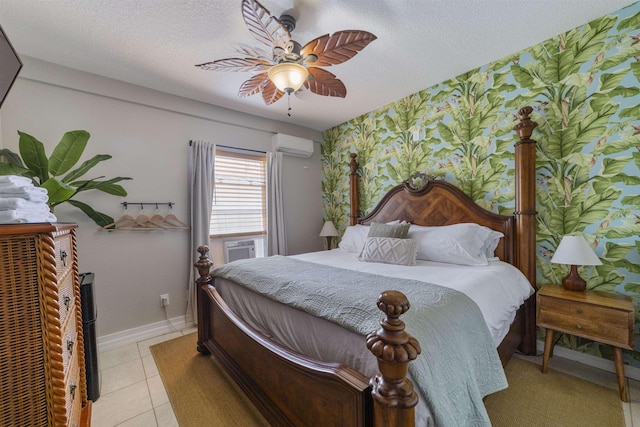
{"x": 143, "y": 204}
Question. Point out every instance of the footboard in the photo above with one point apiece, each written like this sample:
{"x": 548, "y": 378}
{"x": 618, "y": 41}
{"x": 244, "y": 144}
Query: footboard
{"x": 291, "y": 389}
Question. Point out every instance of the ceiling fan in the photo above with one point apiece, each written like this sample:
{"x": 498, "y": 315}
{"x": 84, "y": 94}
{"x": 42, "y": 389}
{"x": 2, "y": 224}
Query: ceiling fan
{"x": 287, "y": 66}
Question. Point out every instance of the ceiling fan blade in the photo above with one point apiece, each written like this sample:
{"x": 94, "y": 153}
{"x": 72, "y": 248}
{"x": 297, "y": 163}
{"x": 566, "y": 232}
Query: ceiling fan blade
{"x": 236, "y": 64}
{"x": 338, "y": 47}
{"x": 254, "y": 85}
{"x": 324, "y": 83}
{"x": 267, "y": 29}
{"x": 270, "y": 93}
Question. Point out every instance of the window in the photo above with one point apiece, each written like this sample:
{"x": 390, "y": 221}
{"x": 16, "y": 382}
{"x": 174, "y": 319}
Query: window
{"x": 239, "y": 197}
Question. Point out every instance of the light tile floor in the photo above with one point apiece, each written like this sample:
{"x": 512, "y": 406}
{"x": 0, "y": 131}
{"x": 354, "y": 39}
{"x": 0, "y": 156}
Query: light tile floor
{"x": 132, "y": 393}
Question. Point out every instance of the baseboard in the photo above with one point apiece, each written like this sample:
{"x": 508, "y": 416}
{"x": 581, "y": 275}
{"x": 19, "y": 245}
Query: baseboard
{"x": 141, "y": 333}
{"x": 597, "y": 362}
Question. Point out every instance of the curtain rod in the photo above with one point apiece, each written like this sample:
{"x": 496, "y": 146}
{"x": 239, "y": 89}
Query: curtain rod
{"x": 233, "y": 148}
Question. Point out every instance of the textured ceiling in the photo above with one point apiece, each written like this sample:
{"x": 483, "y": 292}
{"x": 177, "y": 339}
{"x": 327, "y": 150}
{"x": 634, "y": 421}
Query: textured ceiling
{"x": 155, "y": 43}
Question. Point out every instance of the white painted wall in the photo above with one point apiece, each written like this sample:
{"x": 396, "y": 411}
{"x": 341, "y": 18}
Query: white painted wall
{"x": 147, "y": 133}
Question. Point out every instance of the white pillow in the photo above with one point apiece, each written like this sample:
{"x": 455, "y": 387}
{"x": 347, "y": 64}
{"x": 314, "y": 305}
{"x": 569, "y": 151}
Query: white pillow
{"x": 353, "y": 238}
{"x": 389, "y": 250}
{"x": 465, "y": 243}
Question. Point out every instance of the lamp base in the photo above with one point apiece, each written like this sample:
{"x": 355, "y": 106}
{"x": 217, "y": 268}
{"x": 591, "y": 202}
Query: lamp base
{"x": 573, "y": 281}
{"x": 329, "y": 242}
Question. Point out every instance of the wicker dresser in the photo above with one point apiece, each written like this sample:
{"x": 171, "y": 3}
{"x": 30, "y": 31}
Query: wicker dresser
{"x": 42, "y": 374}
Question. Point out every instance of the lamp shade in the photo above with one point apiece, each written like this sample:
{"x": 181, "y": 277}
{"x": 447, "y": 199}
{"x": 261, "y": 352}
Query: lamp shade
{"x": 328, "y": 229}
{"x": 575, "y": 250}
{"x": 288, "y": 76}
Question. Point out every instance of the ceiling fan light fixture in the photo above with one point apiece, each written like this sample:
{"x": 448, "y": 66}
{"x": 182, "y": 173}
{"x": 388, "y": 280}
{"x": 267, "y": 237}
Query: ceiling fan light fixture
{"x": 288, "y": 76}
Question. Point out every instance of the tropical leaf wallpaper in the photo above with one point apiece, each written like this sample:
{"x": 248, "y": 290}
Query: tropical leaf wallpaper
{"x": 584, "y": 86}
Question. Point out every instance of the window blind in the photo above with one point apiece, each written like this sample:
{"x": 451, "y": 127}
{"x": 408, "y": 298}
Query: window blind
{"x": 239, "y": 196}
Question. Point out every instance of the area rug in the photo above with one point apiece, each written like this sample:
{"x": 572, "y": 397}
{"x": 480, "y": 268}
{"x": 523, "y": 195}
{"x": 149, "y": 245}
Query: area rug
{"x": 554, "y": 399}
{"x": 201, "y": 394}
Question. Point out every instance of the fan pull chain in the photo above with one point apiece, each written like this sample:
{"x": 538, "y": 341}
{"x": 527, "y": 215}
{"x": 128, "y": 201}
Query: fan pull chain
{"x": 289, "y": 104}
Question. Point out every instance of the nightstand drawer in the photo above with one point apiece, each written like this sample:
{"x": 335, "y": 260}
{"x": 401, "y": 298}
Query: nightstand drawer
{"x": 614, "y": 333}
{"x": 586, "y": 312}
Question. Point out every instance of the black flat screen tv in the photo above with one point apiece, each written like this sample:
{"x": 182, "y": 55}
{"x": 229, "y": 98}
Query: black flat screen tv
{"x": 10, "y": 66}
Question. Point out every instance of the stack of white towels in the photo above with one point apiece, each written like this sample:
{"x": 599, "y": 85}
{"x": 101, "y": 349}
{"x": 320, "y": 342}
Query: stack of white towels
{"x": 21, "y": 201}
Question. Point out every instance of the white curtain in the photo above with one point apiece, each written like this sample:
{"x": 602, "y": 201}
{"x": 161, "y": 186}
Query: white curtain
{"x": 276, "y": 236}
{"x": 201, "y": 182}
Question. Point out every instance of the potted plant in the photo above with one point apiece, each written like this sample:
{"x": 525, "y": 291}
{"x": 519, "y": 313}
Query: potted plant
{"x": 55, "y": 173}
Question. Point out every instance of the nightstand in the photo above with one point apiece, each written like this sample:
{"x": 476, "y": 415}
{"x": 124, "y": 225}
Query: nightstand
{"x": 599, "y": 316}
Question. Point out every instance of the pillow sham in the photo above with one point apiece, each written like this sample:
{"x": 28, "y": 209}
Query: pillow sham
{"x": 464, "y": 244}
{"x": 389, "y": 250}
{"x": 353, "y": 238}
{"x": 397, "y": 231}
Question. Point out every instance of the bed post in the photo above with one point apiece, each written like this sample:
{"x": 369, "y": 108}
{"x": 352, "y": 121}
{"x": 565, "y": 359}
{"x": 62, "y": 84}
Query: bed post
{"x": 203, "y": 265}
{"x": 353, "y": 183}
{"x": 525, "y": 213}
{"x": 393, "y": 396}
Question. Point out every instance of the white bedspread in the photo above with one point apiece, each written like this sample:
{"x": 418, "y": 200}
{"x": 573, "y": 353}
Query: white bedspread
{"x": 498, "y": 289}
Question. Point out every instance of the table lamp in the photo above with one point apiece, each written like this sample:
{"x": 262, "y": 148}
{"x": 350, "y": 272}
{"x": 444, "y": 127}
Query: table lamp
{"x": 328, "y": 231}
{"x": 574, "y": 250}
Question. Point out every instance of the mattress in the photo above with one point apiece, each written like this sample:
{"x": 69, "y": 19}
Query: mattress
{"x": 498, "y": 289}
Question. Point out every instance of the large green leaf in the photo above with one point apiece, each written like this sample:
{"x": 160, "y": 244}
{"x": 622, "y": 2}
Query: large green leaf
{"x": 85, "y": 167}
{"x": 33, "y": 155}
{"x": 58, "y": 191}
{"x": 98, "y": 217}
{"x": 68, "y": 151}
{"x": 611, "y": 167}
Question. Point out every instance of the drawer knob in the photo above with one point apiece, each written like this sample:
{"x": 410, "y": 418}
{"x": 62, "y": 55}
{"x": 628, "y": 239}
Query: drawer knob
{"x": 579, "y": 326}
{"x": 63, "y": 257}
{"x": 70, "y": 347}
{"x": 579, "y": 311}
{"x": 72, "y": 390}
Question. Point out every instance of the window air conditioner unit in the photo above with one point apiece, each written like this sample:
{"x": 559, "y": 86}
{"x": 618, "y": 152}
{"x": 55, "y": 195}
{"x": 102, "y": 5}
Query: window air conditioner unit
{"x": 292, "y": 145}
{"x": 239, "y": 249}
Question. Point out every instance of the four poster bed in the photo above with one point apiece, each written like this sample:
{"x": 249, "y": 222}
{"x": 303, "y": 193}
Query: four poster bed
{"x": 292, "y": 388}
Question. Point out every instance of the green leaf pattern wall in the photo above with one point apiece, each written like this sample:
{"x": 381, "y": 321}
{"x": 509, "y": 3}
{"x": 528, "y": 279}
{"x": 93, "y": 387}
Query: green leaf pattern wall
{"x": 584, "y": 86}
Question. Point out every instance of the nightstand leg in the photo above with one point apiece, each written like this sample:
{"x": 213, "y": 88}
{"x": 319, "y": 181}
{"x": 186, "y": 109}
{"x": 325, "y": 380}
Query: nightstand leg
{"x": 548, "y": 349}
{"x": 622, "y": 382}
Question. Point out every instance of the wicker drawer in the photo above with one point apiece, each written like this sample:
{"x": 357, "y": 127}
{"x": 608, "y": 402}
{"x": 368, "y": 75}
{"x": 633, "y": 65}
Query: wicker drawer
{"x": 66, "y": 297}
{"x": 73, "y": 393}
{"x": 64, "y": 254}
{"x": 69, "y": 340}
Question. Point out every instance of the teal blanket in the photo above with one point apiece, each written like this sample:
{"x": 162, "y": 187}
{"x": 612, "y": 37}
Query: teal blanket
{"x": 459, "y": 364}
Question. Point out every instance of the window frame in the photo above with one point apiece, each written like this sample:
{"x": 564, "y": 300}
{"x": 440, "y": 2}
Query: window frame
{"x": 239, "y": 154}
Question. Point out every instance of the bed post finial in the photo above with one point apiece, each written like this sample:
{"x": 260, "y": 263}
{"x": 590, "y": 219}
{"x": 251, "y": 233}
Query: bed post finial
{"x": 393, "y": 396}
{"x": 203, "y": 265}
{"x": 353, "y": 183}
{"x": 525, "y": 213}
{"x": 526, "y": 125}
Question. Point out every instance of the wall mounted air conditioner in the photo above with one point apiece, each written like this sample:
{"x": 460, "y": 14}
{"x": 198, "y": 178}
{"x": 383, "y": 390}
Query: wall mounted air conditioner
{"x": 239, "y": 249}
{"x": 292, "y": 145}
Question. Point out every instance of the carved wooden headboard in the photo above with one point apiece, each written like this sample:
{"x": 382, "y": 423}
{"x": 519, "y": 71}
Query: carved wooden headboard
{"x": 424, "y": 201}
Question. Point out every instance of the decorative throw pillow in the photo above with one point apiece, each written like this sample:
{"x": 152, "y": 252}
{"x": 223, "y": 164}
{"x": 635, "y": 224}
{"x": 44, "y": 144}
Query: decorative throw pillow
{"x": 389, "y": 250}
{"x": 398, "y": 231}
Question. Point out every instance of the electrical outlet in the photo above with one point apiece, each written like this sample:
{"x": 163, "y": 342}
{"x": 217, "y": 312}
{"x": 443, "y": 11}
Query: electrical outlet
{"x": 164, "y": 300}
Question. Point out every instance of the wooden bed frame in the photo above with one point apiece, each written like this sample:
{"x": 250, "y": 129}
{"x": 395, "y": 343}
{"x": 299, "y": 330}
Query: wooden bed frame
{"x": 292, "y": 389}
